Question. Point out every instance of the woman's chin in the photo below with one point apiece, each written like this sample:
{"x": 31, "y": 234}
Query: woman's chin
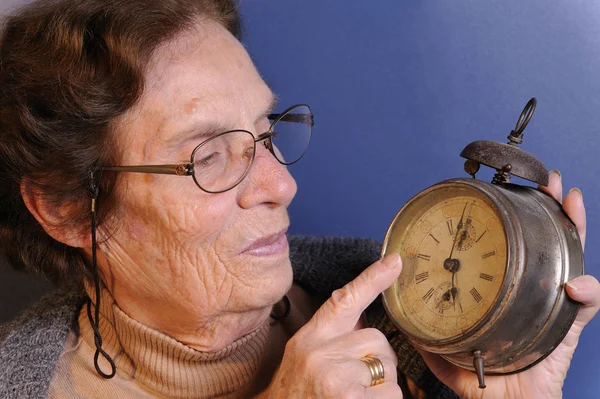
{"x": 276, "y": 282}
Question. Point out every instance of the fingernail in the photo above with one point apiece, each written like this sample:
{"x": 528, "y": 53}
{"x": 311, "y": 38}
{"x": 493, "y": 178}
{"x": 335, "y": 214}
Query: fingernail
{"x": 557, "y": 173}
{"x": 576, "y": 190}
{"x": 391, "y": 260}
{"x": 570, "y": 284}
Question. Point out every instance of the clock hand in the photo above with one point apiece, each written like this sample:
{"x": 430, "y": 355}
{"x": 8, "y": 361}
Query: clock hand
{"x": 452, "y": 265}
{"x": 456, "y": 262}
{"x": 463, "y": 236}
{"x": 458, "y": 228}
{"x": 453, "y": 291}
{"x": 465, "y": 233}
{"x": 451, "y": 294}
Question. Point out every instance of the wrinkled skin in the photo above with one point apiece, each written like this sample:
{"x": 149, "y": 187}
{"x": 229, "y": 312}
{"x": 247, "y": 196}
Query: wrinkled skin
{"x": 182, "y": 261}
{"x": 322, "y": 355}
{"x": 322, "y": 359}
{"x": 178, "y": 260}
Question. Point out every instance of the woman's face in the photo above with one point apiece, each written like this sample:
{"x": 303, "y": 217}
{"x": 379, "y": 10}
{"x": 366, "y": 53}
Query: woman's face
{"x": 190, "y": 255}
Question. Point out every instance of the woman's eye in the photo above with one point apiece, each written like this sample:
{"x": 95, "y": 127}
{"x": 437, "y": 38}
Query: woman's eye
{"x": 208, "y": 160}
{"x": 248, "y": 153}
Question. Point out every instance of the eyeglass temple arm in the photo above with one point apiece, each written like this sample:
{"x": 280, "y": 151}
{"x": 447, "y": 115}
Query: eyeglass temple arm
{"x": 300, "y": 118}
{"x": 178, "y": 169}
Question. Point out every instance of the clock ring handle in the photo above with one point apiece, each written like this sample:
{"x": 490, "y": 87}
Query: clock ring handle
{"x": 499, "y": 156}
{"x": 516, "y": 136}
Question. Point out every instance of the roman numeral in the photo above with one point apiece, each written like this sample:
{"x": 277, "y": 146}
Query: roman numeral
{"x": 450, "y": 228}
{"x": 476, "y": 295}
{"x": 419, "y": 278}
{"x": 435, "y": 239}
{"x": 428, "y": 295}
{"x": 471, "y": 210}
{"x": 482, "y": 234}
{"x": 424, "y": 257}
{"x": 460, "y": 307}
{"x": 484, "y": 256}
{"x": 486, "y": 277}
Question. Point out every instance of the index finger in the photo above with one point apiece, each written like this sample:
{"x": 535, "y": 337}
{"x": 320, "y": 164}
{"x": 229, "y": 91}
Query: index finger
{"x": 554, "y": 188}
{"x": 574, "y": 207}
{"x": 340, "y": 313}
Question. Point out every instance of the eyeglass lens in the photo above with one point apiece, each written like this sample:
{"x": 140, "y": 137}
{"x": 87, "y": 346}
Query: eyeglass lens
{"x": 291, "y": 134}
{"x": 222, "y": 162}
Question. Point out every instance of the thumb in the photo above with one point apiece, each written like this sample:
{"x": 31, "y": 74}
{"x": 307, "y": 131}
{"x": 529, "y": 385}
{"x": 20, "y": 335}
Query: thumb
{"x": 340, "y": 313}
{"x": 586, "y": 290}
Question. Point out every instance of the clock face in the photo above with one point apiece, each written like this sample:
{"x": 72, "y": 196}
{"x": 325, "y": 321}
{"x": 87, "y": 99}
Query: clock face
{"x": 454, "y": 252}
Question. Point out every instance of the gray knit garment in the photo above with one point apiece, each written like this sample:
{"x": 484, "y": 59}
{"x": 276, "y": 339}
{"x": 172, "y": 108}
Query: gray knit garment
{"x": 31, "y": 345}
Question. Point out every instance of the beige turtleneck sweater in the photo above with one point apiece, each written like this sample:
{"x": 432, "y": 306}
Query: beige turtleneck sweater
{"x": 151, "y": 364}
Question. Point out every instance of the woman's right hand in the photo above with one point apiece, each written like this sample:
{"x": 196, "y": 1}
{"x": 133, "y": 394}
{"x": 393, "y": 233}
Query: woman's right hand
{"x": 322, "y": 360}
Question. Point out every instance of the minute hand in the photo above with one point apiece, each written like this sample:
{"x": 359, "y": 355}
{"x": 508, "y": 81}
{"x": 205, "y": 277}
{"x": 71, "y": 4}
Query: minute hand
{"x": 458, "y": 227}
{"x": 454, "y": 267}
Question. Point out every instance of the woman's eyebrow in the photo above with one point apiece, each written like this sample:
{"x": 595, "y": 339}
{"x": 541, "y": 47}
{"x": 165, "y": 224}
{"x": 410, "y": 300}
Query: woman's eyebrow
{"x": 272, "y": 105}
{"x": 199, "y": 131}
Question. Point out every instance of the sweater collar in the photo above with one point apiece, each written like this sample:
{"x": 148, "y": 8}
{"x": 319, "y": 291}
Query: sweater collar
{"x": 165, "y": 365}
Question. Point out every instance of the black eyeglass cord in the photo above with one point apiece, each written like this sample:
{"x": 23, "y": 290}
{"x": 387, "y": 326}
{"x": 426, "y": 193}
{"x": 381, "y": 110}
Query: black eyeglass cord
{"x": 95, "y": 321}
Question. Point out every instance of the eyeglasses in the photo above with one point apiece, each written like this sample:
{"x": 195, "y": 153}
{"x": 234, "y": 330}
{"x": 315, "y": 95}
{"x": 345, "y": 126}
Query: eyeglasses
{"x": 217, "y": 165}
{"x": 223, "y": 161}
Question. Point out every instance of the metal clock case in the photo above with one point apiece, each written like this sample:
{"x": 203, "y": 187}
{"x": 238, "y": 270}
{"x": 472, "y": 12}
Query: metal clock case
{"x": 485, "y": 264}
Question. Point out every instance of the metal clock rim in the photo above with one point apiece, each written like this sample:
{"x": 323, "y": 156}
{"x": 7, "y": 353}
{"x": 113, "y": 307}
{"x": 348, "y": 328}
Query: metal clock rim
{"x": 515, "y": 259}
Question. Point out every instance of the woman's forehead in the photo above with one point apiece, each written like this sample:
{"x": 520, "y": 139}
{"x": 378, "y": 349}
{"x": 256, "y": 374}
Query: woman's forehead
{"x": 205, "y": 63}
{"x": 203, "y": 77}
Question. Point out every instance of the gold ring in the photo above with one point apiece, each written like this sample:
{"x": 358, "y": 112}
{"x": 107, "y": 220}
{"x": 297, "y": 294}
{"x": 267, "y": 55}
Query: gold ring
{"x": 376, "y": 368}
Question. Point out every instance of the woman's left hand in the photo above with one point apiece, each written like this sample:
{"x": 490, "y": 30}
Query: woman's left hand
{"x": 544, "y": 380}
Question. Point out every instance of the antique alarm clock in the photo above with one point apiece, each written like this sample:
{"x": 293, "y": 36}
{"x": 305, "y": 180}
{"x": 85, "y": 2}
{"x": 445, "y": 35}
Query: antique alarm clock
{"x": 485, "y": 264}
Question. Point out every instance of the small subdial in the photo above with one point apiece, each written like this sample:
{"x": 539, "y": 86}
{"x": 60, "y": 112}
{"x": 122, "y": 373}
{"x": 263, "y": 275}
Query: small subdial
{"x": 467, "y": 236}
{"x": 443, "y": 299}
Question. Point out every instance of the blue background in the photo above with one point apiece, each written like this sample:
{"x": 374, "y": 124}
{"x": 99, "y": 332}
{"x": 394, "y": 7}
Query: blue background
{"x": 399, "y": 88}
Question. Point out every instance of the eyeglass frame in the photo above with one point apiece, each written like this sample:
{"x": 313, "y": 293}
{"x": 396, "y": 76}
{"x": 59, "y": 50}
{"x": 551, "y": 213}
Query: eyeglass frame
{"x": 187, "y": 169}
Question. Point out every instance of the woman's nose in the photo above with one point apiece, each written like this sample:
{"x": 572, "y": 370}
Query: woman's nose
{"x": 268, "y": 182}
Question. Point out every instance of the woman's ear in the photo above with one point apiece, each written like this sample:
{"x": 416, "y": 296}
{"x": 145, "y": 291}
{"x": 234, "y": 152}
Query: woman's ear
{"x": 53, "y": 216}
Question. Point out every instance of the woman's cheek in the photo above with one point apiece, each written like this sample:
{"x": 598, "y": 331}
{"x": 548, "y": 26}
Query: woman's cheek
{"x": 138, "y": 230}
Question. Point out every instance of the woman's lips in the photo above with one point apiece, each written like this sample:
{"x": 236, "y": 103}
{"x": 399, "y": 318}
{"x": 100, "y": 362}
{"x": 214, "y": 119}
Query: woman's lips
{"x": 267, "y": 246}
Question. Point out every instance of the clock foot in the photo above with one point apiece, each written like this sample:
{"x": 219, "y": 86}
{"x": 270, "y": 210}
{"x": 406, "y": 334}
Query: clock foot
{"x": 478, "y": 364}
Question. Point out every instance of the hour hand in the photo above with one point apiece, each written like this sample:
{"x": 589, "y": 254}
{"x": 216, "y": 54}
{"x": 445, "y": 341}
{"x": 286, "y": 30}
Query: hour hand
{"x": 454, "y": 293}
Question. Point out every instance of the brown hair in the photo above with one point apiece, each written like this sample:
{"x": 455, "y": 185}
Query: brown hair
{"x": 68, "y": 70}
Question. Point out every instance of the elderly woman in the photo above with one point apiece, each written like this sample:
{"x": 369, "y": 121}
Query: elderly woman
{"x": 143, "y": 170}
